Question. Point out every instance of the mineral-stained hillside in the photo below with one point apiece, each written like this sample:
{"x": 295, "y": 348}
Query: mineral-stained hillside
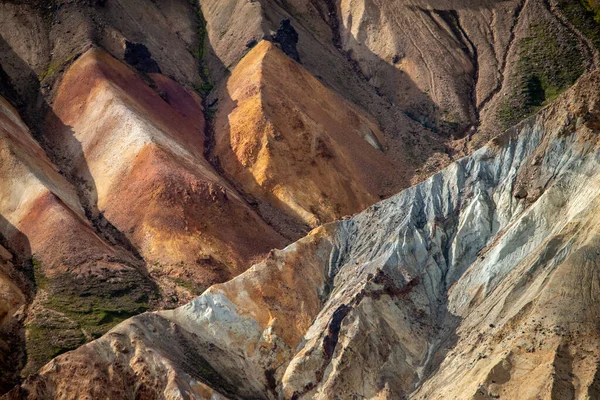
{"x": 152, "y": 150}
{"x": 457, "y": 68}
{"x": 138, "y": 159}
{"x": 480, "y": 282}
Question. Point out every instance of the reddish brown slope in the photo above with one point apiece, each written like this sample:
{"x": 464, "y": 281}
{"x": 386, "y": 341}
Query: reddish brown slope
{"x": 74, "y": 271}
{"x": 139, "y": 158}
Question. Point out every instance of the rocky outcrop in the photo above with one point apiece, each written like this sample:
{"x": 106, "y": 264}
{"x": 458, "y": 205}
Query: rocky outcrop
{"x": 138, "y": 56}
{"x": 232, "y": 24}
{"x": 287, "y": 37}
{"x": 12, "y": 304}
{"x": 478, "y": 90}
{"x": 455, "y": 287}
{"x": 385, "y": 57}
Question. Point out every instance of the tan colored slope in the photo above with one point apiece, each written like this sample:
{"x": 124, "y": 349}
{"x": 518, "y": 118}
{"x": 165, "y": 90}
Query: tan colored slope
{"x": 537, "y": 336}
{"x": 533, "y": 333}
{"x": 43, "y": 223}
{"x": 140, "y": 162}
{"x": 441, "y": 77}
{"x": 415, "y": 149}
{"x": 247, "y": 326}
{"x": 288, "y": 140}
{"x": 430, "y": 51}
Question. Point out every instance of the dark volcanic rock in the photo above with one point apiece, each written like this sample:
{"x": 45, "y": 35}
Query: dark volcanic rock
{"x": 287, "y": 37}
{"x": 138, "y": 56}
{"x": 7, "y": 90}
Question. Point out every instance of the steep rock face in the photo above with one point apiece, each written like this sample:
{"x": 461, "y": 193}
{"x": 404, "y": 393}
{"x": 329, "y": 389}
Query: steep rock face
{"x": 120, "y": 197}
{"x": 131, "y": 192}
{"x": 42, "y": 38}
{"x": 140, "y": 165}
{"x": 230, "y": 25}
{"x": 416, "y": 37}
{"x": 289, "y": 141}
{"x": 466, "y": 285}
{"x": 536, "y": 281}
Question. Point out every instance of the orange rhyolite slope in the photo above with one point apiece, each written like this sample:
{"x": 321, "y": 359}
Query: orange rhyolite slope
{"x": 139, "y": 153}
{"x": 288, "y": 140}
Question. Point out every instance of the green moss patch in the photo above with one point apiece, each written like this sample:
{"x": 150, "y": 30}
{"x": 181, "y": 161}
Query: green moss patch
{"x": 192, "y": 287}
{"x": 97, "y": 303}
{"x": 38, "y": 274}
{"x": 96, "y": 315}
{"x": 593, "y": 6}
{"x": 550, "y": 61}
{"x": 55, "y": 66}
{"x": 49, "y": 335}
{"x": 74, "y": 309}
{"x": 585, "y": 16}
{"x": 200, "y": 52}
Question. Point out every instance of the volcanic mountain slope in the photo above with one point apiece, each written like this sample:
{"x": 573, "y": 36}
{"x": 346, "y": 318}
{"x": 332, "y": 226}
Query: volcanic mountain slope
{"x": 141, "y": 164}
{"x": 135, "y": 186}
{"x": 126, "y": 167}
{"x": 485, "y": 47}
{"x": 41, "y": 38}
{"x": 493, "y": 74}
{"x": 126, "y": 159}
{"x": 478, "y": 283}
{"x": 139, "y": 196}
{"x": 83, "y": 285}
{"x": 492, "y": 51}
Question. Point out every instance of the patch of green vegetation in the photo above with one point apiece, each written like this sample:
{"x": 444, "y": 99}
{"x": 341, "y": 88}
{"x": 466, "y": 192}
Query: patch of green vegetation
{"x": 192, "y": 287}
{"x": 203, "y": 89}
{"x": 593, "y": 6}
{"x": 39, "y": 276}
{"x": 76, "y": 309}
{"x": 200, "y": 52}
{"x": 550, "y": 61}
{"x": 45, "y": 343}
{"x": 49, "y": 335}
{"x": 449, "y": 122}
{"x": 585, "y": 16}
{"x": 55, "y": 66}
{"x": 210, "y": 113}
{"x": 96, "y": 315}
